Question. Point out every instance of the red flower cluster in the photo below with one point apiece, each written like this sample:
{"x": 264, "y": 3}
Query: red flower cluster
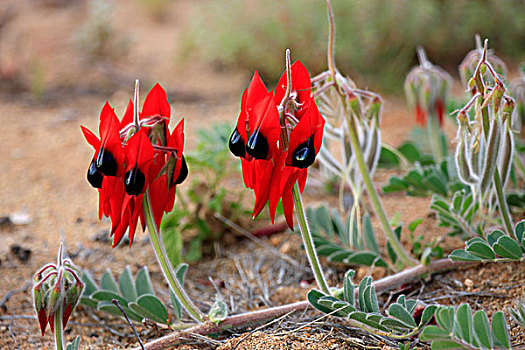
{"x": 421, "y": 113}
{"x": 133, "y": 156}
{"x": 272, "y": 162}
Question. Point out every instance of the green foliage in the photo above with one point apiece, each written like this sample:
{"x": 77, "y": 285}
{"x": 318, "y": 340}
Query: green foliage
{"x": 407, "y": 152}
{"x": 218, "y": 311}
{"x": 210, "y": 164}
{"x": 459, "y": 329}
{"x": 341, "y": 241}
{"x": 518, "y": 312}
{"x": 361, "y": 309}
{"x": 74, "y": 344}
{"x": 423, "y": 181}
{"x": 459, "y": 215}
{"x": 497, "y": 245}
{"x": 135, "y": 296}
{"x": 370, "y": 34}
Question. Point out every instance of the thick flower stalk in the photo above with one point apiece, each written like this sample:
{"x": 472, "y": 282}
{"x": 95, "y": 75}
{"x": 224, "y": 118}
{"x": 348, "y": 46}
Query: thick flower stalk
{"x": 485, "y": 138}
{"x": 56, "y": 292}
{"x": 136, "y": 168}
{"x": 427, "y": 88}
{"x": 277, "y": 136}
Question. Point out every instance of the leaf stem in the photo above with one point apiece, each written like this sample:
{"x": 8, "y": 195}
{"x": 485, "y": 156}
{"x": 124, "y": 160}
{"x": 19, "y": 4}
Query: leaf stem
{"x": 165, "y": 264}
{"x": 306, "y": 235}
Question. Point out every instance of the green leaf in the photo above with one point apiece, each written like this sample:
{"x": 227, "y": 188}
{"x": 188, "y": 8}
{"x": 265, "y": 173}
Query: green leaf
{"x": 464, "y": 323}
{"x": 126, "y": 285}
{"x": 143, "y": 282}
{"x": 177, "y": 306}
{"x": 520, "y": 232}
{"x": 362, "y": 258}
{"x": 88, "y": 301}
{"x": 218, "y": 312}
{"x": 481, "y": 250}
{"x": 349, "y": 287}
{"x": 506, "y": 247}
{"x": 333, "y": 304}
{"x": 499, "y": 329}
{"x": 446, "y": 345}
{"x": 363, "y": 318}
{"x": 313, "y": 297}
{"x": 108, "y": 282}
{"x": 89, "y": 283}
{"x": 399, "y": 312}
{"x": 110, "y": 308}
{"x": 180, "y": 272}
{"x": 151, "y": 307}
{"x": 105, "y": 295}
{"x": 371, "y": 299}
{"x": 482, "y": 329}
{"x": 493, "y": 237}
{"x": 395, "y": 323}
{"x": 414, "y": 224}
{"x": 445, "y": 318}
{"x": 322, "y": 219}
{"x": 74, "y": 344}
{"x": 433, "y": 333}
{"x": 365, "y": 282}
{"x": 427, "y": 314}
{"x": 461, "y": 255}
{"x": 368, "y": 232}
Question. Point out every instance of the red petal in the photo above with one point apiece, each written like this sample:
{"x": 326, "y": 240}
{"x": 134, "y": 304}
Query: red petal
{"x": 91, "y": 138}
{"x": 312, "y": 123}
{"x": 42, "y": 320}
{"x": 263, "y": 171}
{"x": 156, "y": 103}
{"x": 65, "y": 316}
{"x": 301, "y": 83}
{"x": 109, "y": 130}
{"x": 128, "y": 115}
{"x": 139, "y": 153}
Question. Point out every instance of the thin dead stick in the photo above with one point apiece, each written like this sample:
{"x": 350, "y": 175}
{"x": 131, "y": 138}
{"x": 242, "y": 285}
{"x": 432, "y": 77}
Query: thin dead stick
{"x": 259, "y": 316}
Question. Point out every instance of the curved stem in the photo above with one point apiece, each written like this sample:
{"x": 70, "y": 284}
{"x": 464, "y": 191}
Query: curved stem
{"x": 59, "y": 332}
{"x": 308, "y": 241}
{"x": 331, "y": 40}
{"x": 165, "y": 264}
{"x": 374, "y": 198}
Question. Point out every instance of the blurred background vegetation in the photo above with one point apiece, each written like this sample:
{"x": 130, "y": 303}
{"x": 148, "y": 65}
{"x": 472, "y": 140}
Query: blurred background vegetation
{"x": 376, "y": 40}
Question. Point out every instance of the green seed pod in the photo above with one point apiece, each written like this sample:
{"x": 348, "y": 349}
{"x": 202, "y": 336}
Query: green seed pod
{"x": 507, "y": 150}
{"x": 462, "y": 164}
{"x": 474, "y": 150}
{"x": 491, "y": 156}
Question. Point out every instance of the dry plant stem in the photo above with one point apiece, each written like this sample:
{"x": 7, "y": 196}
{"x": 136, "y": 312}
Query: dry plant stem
{"x": 306, "y": 235}
{"x": 331, "y": 40}
{"x": 165, "y": 264}
{"x": 253, "y": 317}
{"x": 374, "y": 198}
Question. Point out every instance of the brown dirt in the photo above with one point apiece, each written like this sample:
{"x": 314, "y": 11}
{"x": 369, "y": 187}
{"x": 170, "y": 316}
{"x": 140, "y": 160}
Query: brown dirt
{"x": 42, "y": 173}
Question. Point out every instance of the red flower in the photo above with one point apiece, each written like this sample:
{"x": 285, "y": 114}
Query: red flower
{"x": 272, "y": 165}
{"x": 151, "y": 159}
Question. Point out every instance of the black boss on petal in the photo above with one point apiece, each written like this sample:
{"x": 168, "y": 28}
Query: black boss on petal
{"x": 304, "y": 155}
{"x": 106, "y": 163}
{"x": 183, "y": 173}
{"x": 257, "y": 146}
{"x": 94, "y": 176}
{"x": 134, "y": 181}
{"x": 236, "y": 144}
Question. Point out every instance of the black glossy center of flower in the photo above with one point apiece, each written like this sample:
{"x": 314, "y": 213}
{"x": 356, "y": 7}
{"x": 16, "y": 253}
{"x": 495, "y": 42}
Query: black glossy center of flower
{"x": 183, "y": 173}
{"x": 134, "y": 181}
{"x": 236, "y": 144}
{"x": 304, "y": 155}
{"x": 257, "y": 146}
{"x": 106, "y": 163}
{"x": 94, "y": 176}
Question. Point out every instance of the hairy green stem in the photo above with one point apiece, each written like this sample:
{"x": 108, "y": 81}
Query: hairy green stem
{"x": 435, "y": 138}
{"x": 59, "y": 332}
{"x": 165, "y": 264}
{"x": 374, "y": 198}
{"x": 308, "y": 241}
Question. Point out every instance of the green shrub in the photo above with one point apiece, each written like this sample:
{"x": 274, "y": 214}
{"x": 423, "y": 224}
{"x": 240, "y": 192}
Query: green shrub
{"x": 376, "y": 38}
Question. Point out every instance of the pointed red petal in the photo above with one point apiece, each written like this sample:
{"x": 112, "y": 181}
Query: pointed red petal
{"x": 91, "y": 138}
{"x": 42, "y": 320}
{"x": 156, "y": 103}
{"x": 301, "y": 83}
{"x": 128, "y": 115}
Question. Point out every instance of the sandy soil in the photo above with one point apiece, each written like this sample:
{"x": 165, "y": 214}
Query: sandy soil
{"x": 44, "y": 160}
